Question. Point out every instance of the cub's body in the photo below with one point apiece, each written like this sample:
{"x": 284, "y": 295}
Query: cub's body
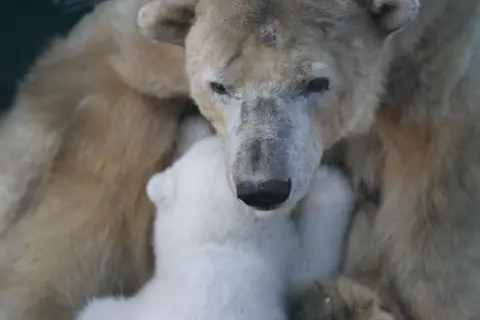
{"x": 217, "y": 260}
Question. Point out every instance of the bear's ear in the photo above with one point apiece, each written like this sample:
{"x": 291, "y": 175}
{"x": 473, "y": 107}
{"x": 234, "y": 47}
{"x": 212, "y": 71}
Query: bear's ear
{"x": 160, "y": 187}
{"x": 167, "y": 21}
{"x": 393, "y": 15}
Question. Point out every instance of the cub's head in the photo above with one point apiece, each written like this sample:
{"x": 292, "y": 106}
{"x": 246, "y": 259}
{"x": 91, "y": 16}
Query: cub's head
{"x": 280, "y": 80}
{"x": 190, "y": 198}
{"x": 197, "y": 176}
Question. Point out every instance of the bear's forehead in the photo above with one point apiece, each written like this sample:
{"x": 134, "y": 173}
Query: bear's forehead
{"x": 273, "y": 21}
{"x": 281, "y": 35}
{"x": 260, "y": 11}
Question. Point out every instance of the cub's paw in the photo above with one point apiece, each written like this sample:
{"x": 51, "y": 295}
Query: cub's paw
{"x": 342, "y": 299}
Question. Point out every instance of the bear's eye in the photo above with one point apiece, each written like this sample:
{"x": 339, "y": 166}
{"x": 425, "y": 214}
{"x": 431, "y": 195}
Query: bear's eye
{"x": 318, "y": 85}
{"x": 218, "y": 88}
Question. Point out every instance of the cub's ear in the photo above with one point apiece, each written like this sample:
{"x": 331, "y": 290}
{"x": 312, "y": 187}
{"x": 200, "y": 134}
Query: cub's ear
{"x": 393, "y": 15}
{"x": 167, "y": 21}
{"x": 160, "y": 187}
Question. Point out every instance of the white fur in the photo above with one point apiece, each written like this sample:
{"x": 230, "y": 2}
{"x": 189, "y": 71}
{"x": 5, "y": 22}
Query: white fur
{"x": 216, "y": 260}
{"x": 192, "y": 129}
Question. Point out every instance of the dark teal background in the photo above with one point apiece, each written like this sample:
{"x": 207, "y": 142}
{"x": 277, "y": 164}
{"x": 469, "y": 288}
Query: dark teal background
{"x": 26, "y": 27}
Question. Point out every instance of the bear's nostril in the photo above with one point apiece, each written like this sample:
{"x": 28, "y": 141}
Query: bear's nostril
{"x": 264, "y": 195}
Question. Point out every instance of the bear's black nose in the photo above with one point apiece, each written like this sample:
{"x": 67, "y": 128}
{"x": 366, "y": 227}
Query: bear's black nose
{"x": 264, "y": 195}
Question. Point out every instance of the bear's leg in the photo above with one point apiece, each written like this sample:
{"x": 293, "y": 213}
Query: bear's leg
{"x": 344, "y": 298}
{"x": 340, "y": 299}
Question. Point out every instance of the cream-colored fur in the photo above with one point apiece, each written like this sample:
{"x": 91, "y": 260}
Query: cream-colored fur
{"x": 398, "y": 80}
{"x": 94, "y": 119}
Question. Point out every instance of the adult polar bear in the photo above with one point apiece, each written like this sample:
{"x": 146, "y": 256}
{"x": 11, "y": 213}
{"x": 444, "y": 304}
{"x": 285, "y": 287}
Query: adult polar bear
{"x": 284, "y": 80}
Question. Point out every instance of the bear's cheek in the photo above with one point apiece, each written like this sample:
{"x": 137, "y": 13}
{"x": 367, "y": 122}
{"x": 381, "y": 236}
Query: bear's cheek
{"x": 216, "y": 117}
{"x": 328, "y": 123}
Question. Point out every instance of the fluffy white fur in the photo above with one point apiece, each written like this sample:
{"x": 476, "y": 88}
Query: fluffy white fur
{"x": 216, "y": 259}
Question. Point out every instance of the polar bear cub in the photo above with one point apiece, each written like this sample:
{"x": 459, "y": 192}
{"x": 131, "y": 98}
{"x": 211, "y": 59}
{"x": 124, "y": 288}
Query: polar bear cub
{"x": 216, "y": 259}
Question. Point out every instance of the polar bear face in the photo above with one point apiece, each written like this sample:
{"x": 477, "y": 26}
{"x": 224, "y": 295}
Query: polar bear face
{"x": 281, "y": 80}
